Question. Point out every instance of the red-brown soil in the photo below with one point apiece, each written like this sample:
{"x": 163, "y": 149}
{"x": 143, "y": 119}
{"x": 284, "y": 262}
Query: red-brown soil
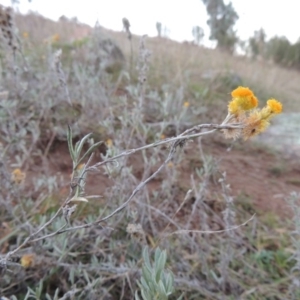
{"x": 255, "y": 173}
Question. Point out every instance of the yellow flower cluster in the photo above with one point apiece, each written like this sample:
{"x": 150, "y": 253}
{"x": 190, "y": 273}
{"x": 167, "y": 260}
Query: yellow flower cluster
{"x": 242, "y": 109}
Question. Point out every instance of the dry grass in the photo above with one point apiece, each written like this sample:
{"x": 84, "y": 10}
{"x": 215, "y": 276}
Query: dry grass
{"x": 181, "y": 60}
{"x": 186, "y": 59}
{"x": 40, "y": 29}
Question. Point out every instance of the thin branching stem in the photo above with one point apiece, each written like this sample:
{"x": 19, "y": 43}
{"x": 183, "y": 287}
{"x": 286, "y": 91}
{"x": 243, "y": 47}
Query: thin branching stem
{"x": 181, "y": 137}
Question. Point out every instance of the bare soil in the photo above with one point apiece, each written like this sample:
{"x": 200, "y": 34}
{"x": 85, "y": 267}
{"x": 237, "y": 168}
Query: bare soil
{"x": 255, "y": 173}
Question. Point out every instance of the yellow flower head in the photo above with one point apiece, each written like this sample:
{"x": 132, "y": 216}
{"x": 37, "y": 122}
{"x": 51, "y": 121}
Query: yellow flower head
{"x": 80, "y": 167}
{"x": 27, "y": 260}
{"x": 242, "y": 99}
{"x": 255, "y": 124}
{"x": 274, "y": 106}
{"x": 55, "y": 37}
{"x": 186, "y": 104}
{"x": 17, "y": 176}
{"x": 109, "y": 143}
{"x": 170, "y": 165}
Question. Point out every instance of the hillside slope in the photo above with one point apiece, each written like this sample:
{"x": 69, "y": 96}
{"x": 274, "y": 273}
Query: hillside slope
{"x": 189, "y": 199}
